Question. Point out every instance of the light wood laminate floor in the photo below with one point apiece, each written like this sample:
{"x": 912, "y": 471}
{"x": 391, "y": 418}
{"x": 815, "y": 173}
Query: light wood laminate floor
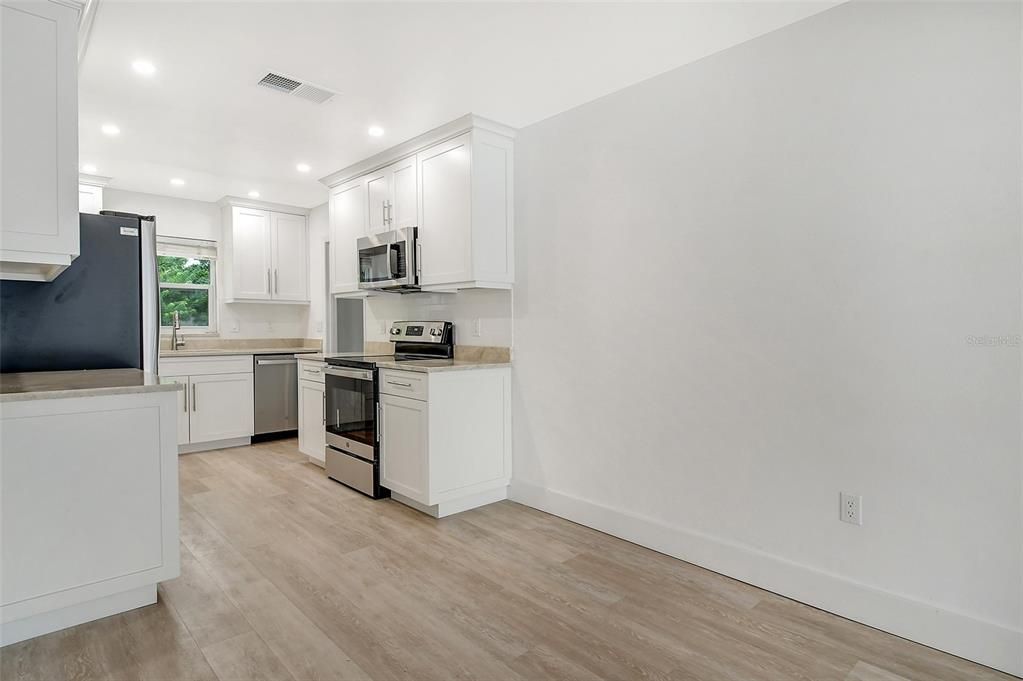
{"x": 288, "y": 575}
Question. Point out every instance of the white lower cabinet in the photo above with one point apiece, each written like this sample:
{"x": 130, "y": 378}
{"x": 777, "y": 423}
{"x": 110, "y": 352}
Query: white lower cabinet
{"x": 221, "y": 407}
{"x": 311, "y": 436}
{"x": 182, "y": 410}
{"x": 217, "y": 403}
{"x": 445, "y": 443}
{"x": 403, "y": 447}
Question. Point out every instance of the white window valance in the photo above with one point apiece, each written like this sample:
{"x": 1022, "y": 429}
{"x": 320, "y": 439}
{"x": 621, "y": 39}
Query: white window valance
{"x": 186, "y": 248}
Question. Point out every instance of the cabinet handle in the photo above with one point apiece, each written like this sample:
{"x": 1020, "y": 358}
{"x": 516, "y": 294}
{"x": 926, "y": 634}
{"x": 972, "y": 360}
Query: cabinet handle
{"x": 380, "y": 420}
{"x": 268, "y": 289}
{"x": 194, "y": 402}
{"x": 186, "y": 399}
{"x": 403, "y": 385}
{"x": 324, "y": 395}
{"x": 277, "y": 287}
{"x": 383, "y": 211}
{"x": 390, "y": 212}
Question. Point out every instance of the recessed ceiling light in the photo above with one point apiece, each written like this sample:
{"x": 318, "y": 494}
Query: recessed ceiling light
{"x": 303, "y": 168}
{"x": 88, "y": 168}
{"x": 177, "y": 181}
{"x": 253, "y": 194}
{"x": 375, "y": 131}
{"x": 143, "y": 67}
{"x": 110, "y": 129}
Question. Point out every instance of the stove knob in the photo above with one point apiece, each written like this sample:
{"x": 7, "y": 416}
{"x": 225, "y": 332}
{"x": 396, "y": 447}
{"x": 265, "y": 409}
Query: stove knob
{"x": 395, "y": 331}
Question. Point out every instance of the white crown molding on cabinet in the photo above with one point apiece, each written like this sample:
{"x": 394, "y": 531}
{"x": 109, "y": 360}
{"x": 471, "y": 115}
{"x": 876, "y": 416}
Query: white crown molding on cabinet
{"x": 239, "y": 202}
{"x": 93, "y": 180}
{"x": 409, "y": 147}
{"x": 87, "y": 16}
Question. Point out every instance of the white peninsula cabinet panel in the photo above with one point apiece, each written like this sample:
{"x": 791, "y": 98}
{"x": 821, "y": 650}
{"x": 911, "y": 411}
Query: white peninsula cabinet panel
{"x": 265, "y": 253}
{"x": 455, "y": 184}
{"x": 216, "y": 408}
{"x": 445, "y": 443}
{"x": 89, "y": 497}
{"x": 39, "y": 129}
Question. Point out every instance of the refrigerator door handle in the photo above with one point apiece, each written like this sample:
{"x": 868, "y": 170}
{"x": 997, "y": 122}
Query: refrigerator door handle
{"x": 150, "y": 296}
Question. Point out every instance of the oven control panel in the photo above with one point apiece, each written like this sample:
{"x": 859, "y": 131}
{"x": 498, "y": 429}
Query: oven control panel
{"x": 422, "y": 332}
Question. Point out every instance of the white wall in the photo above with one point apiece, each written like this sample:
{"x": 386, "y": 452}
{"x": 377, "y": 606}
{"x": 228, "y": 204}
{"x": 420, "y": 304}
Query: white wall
{"x": 202, "y": 220}
{"x": 493, "y": 309}
{"x": 757, "y": 280}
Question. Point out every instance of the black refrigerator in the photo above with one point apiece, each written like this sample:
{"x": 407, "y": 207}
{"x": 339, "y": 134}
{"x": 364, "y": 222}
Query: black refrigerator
{"x": 102, "y": 312}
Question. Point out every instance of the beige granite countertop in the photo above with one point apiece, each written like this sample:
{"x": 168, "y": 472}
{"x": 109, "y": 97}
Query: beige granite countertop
{"x": 50, "y": 385}
{"x": 419, "y": 365}
{"x": 429, "y": 366}
{"x": 213, "y": 352}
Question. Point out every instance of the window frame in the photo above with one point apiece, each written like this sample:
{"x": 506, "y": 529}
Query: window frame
{"x": 172, "y": 248}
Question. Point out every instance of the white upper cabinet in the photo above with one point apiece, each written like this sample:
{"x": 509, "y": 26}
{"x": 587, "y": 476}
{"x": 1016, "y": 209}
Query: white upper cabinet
{"x": 90, "y": 198}
{"x": 249, "y": 253}
{"x": 265, "y": 254}
{"x": 378, "y": 200}
{"x": 445, "y": 202}
{"x": 39, "y": 128}
{"x": 453, "y": 183}
{"x": 391, "y": 197}
{"x": 289, "y": 251}
{"x": 348, "y": 223}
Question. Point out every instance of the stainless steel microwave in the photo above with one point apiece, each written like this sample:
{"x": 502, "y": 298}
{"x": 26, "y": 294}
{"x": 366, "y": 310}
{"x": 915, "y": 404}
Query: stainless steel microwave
{"x": 389, "y": 261}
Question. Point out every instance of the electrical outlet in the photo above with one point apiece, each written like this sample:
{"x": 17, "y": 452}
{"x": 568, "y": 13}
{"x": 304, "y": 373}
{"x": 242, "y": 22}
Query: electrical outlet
{"x": 319, "y": 327}
{"x": 234, "y": 326}
{"x": 477, "y": 327}
{"x": 851, "y": 510}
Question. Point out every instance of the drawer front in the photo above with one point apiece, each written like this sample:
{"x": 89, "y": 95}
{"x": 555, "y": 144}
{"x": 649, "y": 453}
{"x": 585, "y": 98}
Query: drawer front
{"x": 403, "y": 384}
{"x": 206, "y": 366}
{"x": 347, "y": 469}
{"x": 310, "y": 371}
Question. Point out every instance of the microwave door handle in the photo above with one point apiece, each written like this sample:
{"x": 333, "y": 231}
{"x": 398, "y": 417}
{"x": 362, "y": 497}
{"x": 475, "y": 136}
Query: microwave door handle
{"x": 392, "y": 261}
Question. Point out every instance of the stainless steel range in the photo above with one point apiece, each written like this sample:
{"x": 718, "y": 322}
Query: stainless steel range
{"x": 352, "y": 405}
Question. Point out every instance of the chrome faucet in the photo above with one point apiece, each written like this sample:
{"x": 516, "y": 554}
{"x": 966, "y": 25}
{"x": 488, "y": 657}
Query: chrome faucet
{"x": 176, "y": 342}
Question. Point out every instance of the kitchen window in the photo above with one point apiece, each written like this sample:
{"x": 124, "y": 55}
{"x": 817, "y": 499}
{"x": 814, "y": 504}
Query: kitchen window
{"x": 188, "y": 277}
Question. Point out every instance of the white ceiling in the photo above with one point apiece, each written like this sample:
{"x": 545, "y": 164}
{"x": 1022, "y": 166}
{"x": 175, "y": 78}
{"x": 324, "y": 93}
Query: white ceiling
{"x": 406, "y": 67}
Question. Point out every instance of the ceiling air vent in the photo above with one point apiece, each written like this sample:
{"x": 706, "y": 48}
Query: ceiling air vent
{"x": 308, "y": 91}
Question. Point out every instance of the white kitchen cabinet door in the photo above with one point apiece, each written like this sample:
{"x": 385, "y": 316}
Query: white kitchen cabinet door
{"x": 404, "y": 209}
{"x": 347, "y": 225}
{"x": 182, "y": 411}
{"x": 39, "y": 127}
{"x": 290, "y": 255}
{"x": 378, "y": 201}
{"x": 251, "y": 260}
{"x": 90, "y": 198}
{"x": 404, "y": 446}
{"x": 220, "y": 407}
{"x": 311, "y": 436}
{"x": 445, "y": 192}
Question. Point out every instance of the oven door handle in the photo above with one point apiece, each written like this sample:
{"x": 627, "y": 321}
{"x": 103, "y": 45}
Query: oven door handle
{"x": 357, "y": 374}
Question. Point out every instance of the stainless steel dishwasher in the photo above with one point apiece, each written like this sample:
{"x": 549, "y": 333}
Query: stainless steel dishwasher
{"x": 276, "y": 398}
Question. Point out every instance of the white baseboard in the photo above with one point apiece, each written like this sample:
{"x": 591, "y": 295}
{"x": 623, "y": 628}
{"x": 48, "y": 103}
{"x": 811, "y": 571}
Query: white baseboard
{"x": 446, "y": 508}
{"x": 73, "y": 615}
{"x": 985, "y": 642}
{"x": 214, "y": 444}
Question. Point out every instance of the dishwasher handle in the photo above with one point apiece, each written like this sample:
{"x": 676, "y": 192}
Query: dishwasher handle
{"x": 272, "y": 362}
